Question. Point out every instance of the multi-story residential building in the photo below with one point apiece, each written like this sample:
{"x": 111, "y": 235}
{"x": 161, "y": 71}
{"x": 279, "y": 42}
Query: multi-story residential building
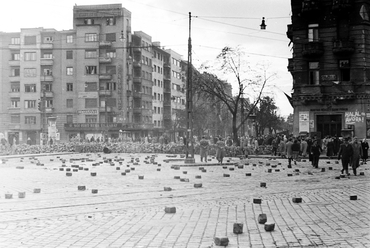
{"x": 95, "y": 80}
{"x": 330, "y": 67}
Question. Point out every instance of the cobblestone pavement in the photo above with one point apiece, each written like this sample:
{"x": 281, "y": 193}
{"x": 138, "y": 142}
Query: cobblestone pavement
{"x": 129, "y": 210}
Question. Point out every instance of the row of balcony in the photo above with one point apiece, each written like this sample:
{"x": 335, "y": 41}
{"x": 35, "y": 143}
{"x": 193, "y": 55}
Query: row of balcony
{"x": 340, "y": 88}
{"x": 316, "y": 49}
{"x": 311, "y": 6}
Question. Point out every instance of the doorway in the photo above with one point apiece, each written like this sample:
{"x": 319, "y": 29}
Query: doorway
{"x": 329, "y": 125}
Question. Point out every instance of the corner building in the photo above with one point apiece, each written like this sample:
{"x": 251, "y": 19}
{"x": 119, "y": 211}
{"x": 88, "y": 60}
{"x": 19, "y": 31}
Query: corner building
{"x": 330, "y": 67}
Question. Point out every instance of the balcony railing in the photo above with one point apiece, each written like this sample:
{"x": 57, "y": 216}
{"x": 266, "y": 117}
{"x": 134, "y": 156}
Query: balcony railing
{"x": 46, "y": 61}
{"x": 104, "y": 60}
{"x": 46, "y": 45}
{"x": 309, "y": 90}
{"x": 47, "y": 78}
{"x": 310, "y": 6}
{"x": 105, "y": 43}
{"x": 313, "y": 49}
{"x": 342, "y": 4}
{"x": 49, "y": 94}
{"x": 342, "y": 47}
{"x": 14, "y": 46}
{"x": 14, "y": 62}
{"x": 105, "y": 93}
{"x": 105, "y": 76}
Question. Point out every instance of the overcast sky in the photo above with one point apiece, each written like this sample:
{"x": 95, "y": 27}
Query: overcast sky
{"x": 215, "y": 24}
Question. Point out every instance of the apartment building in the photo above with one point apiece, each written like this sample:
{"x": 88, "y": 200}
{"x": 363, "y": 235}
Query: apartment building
{"x": 330, "y": 67}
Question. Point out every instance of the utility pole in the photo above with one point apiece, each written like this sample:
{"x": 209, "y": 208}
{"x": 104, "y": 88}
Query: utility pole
{"x": 189, "y": 104}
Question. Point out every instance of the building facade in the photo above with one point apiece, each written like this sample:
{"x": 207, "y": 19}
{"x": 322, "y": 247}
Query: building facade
{"x": 96, "y": 80}
{"x": 330, "y": 67}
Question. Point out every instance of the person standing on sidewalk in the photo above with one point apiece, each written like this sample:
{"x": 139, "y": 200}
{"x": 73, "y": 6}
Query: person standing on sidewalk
{"x": 357, "y": 154}
{"x": 346, "y": 151}
{"x": 296, "y": 148}
{"x": 204, "y": 144}
{"x": 365, "y": 149}
{"x": 220, "y": 152}
{"x": 288, "y": 151}
{"x": 315, "y": 152}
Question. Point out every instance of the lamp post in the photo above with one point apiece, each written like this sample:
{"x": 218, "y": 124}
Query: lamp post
{"x": 189, "y": 105}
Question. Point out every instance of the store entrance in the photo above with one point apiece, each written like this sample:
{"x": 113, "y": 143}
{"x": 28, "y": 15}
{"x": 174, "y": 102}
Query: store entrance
{"x": 329, "y": 125}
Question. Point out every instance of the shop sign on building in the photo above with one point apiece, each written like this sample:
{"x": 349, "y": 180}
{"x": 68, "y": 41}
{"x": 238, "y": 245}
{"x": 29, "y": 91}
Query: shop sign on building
{"x": 354, "y": 117}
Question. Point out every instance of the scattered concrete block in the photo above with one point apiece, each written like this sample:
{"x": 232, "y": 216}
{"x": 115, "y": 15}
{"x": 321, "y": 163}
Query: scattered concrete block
{"x": 94, "y": 191}
{"x": 170, "y": 210}
{"x": 226, "y": 175}
{"x": 290, "y": 174}
{"x": 184, "y": 172}
{"x": 69, "y": 174}
{"x": 238, "y": 228}
{"x": 75, "y": 170}
{"x": 257, "y": 201}
{"x": 322, "y": 169}
{"x": 330, "y": 168}
{"x": 277, "y": 170}
{"x": 231, "y": 169}
{"x": 353, "y": 197}
{"x": 224, "y": 167}
{"x": 269, "y": 170}
{"x": 61, "y": 169}
{"x": 198, "y": 176}
{"x": 289, "y": 166}
{"x": 186, "y": 180}
{"x": 141, "y": 177}
{"x": 127, "y": 170}
{"x": 8, "y": 196}
{"x": 197, "y": 185}
{"x": 36, "y": 191}
{"x": 132, "y": 168}
{"x": 240, "y": 166}
{"x": 362, "y": 173}
{"x": 269, "y": 227}
{"x": 201, "y": 168}
{"x": 248, "y": 174}
{"x": 336, "y": 162}
{"x": 81, "y": 188}
{"x": 20, "y": 167}
{"x": 221, "y": 241}
{"x": 167, "y": 188}
{"x": 93, "y": 174}
{"x": 262, "y": 218}
{"x": 342, "y": 176}
{"x": 204, "y": 170}
{"x": 86, "y": 169}
{"x": 279, "y": 163}
{"x": 123, "y": 173}
{"x": 158, "y": 169}
{"x": 297, "y": 199}
{"x": 338, "y": 177}
{"x": 273, "y": 166}
{"x": 176, "y": 177}
{"x": 263, "y": 185}
{"x": 21, "y": 194}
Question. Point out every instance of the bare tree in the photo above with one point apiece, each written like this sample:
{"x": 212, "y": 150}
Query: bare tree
{"x": 250, "y": 82}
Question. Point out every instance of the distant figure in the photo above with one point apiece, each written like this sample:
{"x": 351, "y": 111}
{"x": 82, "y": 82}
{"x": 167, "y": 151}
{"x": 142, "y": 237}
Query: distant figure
{"x": 220, "y": 153}
{"x": 357, "y": 154}
{"x": 51, "y": 141}
{"x": 296, "y": 148}
{"x": 29, "y": 141}
{"x": 365, "y": 150}
{"x": 204, "y": 144}
{"x": 289, "y": 152}
{"x": 106, "y": 150}
{"x": 229, "y": 141}
{"x": 304, "y": 146}
{"x": 315, "y": 152}
{"x": 346, "y": 151}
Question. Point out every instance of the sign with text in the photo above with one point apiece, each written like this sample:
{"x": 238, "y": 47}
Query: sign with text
{"x": 354, "y": 117}
{"x": 304, "y": 121}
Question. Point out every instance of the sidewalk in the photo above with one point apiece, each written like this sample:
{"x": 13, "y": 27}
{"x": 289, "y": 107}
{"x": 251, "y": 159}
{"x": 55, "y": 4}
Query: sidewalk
{"x": 132, "y": 193}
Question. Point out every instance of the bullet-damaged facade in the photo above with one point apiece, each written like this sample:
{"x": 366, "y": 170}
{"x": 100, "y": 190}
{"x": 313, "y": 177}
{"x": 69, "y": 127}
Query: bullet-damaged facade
{"x": 330, "y": 67}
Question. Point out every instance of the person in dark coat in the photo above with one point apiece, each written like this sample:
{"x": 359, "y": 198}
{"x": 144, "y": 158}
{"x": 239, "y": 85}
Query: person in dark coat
{"x": 296, "y": 148}
{"x": 357, "y": 155}
{"x": 289, "y": 152}
{"x": 346, "y": 151}
{"x": 365, "y": 149}
{"x": 220, "y": 150}
{"x": 309, "y": 145}
{"x": 315, "y": 152}
{"x": 330, "y": 148}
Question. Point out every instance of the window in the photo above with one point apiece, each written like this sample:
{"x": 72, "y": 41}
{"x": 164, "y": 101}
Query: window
{"x": 48, "y": 87}
{"x": 69, "y": 71}
{"x": 345, "y": 71}
{"x": 91, "y": 103}
{"x": 15, "y": 87}
{"x": 30, "y": 40}
{"x": 47, "y": 72}
{"x": 313, "y": 32}
{"x": 48, "y": 39}
{"x": 111, "y": 53}
{"x": 69, "y": 54}
{"x": 91, "y": 37}
{"x": 16, "y": 56}
{"x": 15, "y": 41}
{"x": 15, "y": 72}
{"x": 111, "y": 21}
{"x": 47, "y": 55}
{"x": 29, "y": 72}
{"x": 110, "y": 70}
{"x": 91, "y": 86}
{"x": 90, "y": 70}
{"x": 15, "y": 119}
{"x": 90, "y": 54}
{"x": 69, "y": 118}
{"x": 49, "y": 103}
{"x": 89, "y": 21}
{"x": 69, "y": 103}
{"x": 69, "y": 86}
{"x": 110, "y": 37}
{"x": 30, "y": 56}
{"x": 69, "y": 39}
{"x": 91, "y": 118}
{"x": 30, "y": 88}
{"x": 314, "y": 75}
{"x": 29, "y": 104}
{"x": 110, "y": 86}
{"x": 15, "y": 103}
{"x": 30, "y": 119}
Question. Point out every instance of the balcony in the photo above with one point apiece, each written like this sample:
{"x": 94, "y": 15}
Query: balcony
{"x": 309, "y": 90}
{"x": 14, "y": 46}
{"x": 46, "y": 45}
{"x": 291, "y": 64}
{"x": 103, "y": 109}
{"x": 137, "y": 110}
{"x": 49, "y": 110}
{"x": 313, "y": 49}
{"x": 15, "y": 78}
{"x": 137, "y": 63}
{"x": 49, "y": 94}
{"x": 105, "y": 43}
{"x": 138, "y": 80}
{"x": 289, "y": 32}
{"x": 342, "y": 47}
{"x": 46, "y": 61}
{"x": 105, "y": 76}
{"x": 167, "y": 65}
{"x": 103, "y": 60}
{"x": 47, "y": 78}
{"x": 105, "y": 93}
{"x": 14, "y": 94}
{"x": 137, "y": 94}
{"x": 13, "y": 110}
{"x": 167, "y": 103}
{"x": 14, "y": 63}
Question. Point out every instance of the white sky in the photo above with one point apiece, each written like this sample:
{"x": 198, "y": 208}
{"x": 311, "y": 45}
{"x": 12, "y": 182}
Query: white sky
{"x": 219, "y": 24}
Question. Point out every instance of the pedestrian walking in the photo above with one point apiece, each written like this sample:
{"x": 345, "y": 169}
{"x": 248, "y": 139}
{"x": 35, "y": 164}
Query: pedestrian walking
{"x": 346, "y": 152}
{"x": 288, "y": 151}
{"x": 296, "y": 148}
{"x": 357, "y": 154}
{"x": 329, "y": 147}
{"x": 204, "y": 145}
{"x": 315, "y": 153}
{"x": 304, "y": 147}
{"x": 365, "y": 150}
{"x": 274, "y": 146}
{"x": 220, "y": 153}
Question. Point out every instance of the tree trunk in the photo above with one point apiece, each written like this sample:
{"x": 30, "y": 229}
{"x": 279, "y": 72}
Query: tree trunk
{"x": 235, "y": 130}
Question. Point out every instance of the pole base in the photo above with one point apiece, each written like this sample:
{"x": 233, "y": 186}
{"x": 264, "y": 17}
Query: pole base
{"x": 189, "y": 160}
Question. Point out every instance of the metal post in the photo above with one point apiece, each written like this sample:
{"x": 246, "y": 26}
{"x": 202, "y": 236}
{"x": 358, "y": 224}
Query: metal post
{"x": 189, "y": 104}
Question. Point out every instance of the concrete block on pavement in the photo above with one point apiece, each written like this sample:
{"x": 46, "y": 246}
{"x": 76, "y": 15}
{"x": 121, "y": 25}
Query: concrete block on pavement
{"x": 238, "y": 228}
{"x": 353, "y": 197}
{"x": 170, "y": 210}
{"x": 221, "y": 241}
{"x": 269, "y": 227}
{"x": 297, "y": 199}
{"x": 262, "y": 218}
